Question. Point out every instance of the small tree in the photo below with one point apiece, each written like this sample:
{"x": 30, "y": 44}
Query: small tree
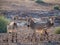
{"x": 57, "y": 30}
{"x": 56, "y": 7}
{"x": 39, "y": 1}
{"x": 3, "y": 24}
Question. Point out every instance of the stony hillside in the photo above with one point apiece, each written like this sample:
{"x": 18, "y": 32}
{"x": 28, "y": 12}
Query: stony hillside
{"x": 14, "y": 7}
{"x": 26, "y": 5}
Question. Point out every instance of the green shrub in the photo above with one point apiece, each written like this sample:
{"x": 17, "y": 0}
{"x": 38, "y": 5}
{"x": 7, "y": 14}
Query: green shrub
{"x": 56, "y": 7}
{"x": 3, "y": 24}
{"x": 57, "y": 30}
{"x": 39, "y": 1}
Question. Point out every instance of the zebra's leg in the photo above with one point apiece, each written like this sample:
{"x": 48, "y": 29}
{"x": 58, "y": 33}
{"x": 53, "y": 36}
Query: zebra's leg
{"x": 34, "y": 36}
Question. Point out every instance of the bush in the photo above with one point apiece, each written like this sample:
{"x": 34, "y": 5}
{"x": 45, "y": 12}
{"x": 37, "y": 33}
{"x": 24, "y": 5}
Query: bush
{"x": 57, "y": 30}
{"x": 3, "y": 24}
{"x": 39, "y": 1}
{"x": 56, "y": 8}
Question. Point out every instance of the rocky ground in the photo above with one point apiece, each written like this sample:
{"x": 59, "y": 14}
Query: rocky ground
{"x": 24, "y": 36}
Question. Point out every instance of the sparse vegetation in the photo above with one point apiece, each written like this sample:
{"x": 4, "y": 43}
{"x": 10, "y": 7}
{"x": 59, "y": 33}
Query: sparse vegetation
{"x": 56, "y": 8}
{"x": 57, "y": 30}
{"x": 3, "y": 24}
{"x": 39, "y": 1}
